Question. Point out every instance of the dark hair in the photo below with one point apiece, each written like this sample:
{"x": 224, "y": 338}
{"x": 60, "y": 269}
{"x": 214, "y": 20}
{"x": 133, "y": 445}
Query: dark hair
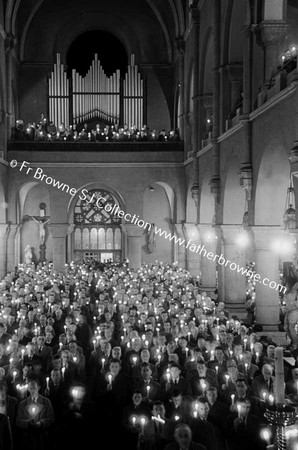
{"x": 114, "y": 360}
{"x": 241, "y": 380}
{"x": 202, "y": 399}
{"x": 176, "y": 393}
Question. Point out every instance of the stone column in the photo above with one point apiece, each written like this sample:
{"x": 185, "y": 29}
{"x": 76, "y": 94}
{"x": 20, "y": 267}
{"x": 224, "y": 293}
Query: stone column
{"x": 13, "y": 249}
{"x": 11, "y": 57}
{"x": 134, "y": 252}
{"x": 193, "y": 259}
{"x": 3, "y": 246}
{"x": 59, "y": 233}
{"x": 179, "y": 250}
{"x": 181, "y": 51}
{"x": 272, "y": 33}
{"x": 267, "y": 299}
{"x": 236, "y": 78}
{"x": 208, "y": 266}
{"x": 234, "y": 282}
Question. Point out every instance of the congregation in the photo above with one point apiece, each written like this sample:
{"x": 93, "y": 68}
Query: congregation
{"x": 135, "y": 357}
{"x": 45, "y": 130}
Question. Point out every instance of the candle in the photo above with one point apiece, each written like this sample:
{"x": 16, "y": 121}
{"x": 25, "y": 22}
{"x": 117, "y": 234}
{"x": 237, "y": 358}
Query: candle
{"x": 216, "y": 369}
{"x": 14, "y": 374}
{"x": 211, "y": 355}
{"x": 148, "y": 390}
{"x": 279, "y": 376}
{"x": 103, "y": 363}
{"x": 271, "y": 399}
{"x": 133, "y": 419}
{"x": 23, "y": 353}
{"x": 233, "y": 398}
{"x": 186, "y": 351}
{"x": 63, "y": 371}
{"x": 134, "y": 360}
{"x": 168, "y": 375}
{"x": 33, "y": 410}
{"x": 266, "y": 435}
{"x": 227, "y": 377}
{"x": 75, "y": 359}
{"x": 239, "y": 411}
{"x": 94, "y": 344}
{"x": 203, "y": 384}
{"x": 143, "y": 421}
{"x": 74, "y": 394}
{"x": 195, "y": 414}
{"x": 110, "y": 377}
{"x": 264, "y": 395}
{"x": 257, "y": 357}
{"x": 48, "y": 382}
{"x": 188, "y": 335}
{"x": 177, "y": 418}
{"x": 246, "y": 366}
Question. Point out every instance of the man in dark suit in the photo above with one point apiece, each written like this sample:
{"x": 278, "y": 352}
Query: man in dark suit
{"x": 45, "y": 353}
{"x": 263, "y": 383}
{"x": 243, "y": 429}
{"x": 203, "y": 431}
{"x": 149, "y": 388}
{"x": 183, "y": 438}
{"x": 33, "y": 359}
{"x": 172, "y": 382}
{"x": 34, "y": 418}
{"x": 247, "y": 368}
{"x": 156, "y": 431}
{"x": 201, "y": 379}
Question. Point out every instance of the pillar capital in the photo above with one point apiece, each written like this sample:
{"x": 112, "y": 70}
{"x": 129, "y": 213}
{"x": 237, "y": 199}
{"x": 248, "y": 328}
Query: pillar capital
{"x": 272, "y": 32}
{"x": 264, "y": 236}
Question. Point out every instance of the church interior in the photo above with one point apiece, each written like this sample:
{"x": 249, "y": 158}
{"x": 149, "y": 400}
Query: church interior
{"x": 148, "y": 180}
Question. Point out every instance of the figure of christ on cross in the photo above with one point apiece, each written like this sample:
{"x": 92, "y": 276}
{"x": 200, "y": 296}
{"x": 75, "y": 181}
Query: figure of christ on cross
{"x": 42, "y": 232}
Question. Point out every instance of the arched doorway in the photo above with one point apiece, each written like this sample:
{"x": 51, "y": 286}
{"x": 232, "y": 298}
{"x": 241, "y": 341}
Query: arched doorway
{"x": 97, "y": 233}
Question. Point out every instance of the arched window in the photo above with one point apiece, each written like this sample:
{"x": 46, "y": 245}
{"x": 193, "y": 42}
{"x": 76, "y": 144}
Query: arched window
{"x": 97, "y": 234}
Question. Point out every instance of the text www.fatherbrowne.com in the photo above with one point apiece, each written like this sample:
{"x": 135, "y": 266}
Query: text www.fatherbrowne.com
{"x": 151, "y": 228}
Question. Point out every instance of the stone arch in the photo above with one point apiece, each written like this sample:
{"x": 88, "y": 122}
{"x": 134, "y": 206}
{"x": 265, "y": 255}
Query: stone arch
{"x": 271, "y": 185}
{"x": 233, "y": 195}
{"x": 29, "y": 196}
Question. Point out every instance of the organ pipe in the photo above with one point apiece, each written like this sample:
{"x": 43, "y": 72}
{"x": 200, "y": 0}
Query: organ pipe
{"x": 96, "y": 95}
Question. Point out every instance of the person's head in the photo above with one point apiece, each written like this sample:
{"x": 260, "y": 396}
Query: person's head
{"x": 137, "y": 398}
{"x": 219, "y": 354}
{"x": 40, "y": 341}
{"x": 211, "y": 395}
{"x": 27, "y": 369}
{"x": 183, "y": 436}
{"x": 73, "y": 348}
{"x": 247, "y": 357}
{"x": 136, "y": 344}
{"x": 65, "y": 357}
{"x": 33, "y": 388}
{"x": 201, "y": 366}
{"x": 175, "y": 371}
{"x": 146, "y": 371}
{"x": 115, "y": 367}
{"x": 30, "y": 348}
{"x": 241, "y": 387}
{"x": 267, "y": 371}
{"x": 56, "y": 376}
{"x": 232, "y": 367}
{"x": 116, "y": 352}
{"x": 203, "y": 407}
{"x": 145, "y": 355}
{"x": 270, "y": 351}
{"x": 176, "y": 398}
{"x": 158, "y": 409}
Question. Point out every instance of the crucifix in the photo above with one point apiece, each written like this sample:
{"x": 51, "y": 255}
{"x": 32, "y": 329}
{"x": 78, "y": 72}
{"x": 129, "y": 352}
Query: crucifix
{"x": 41, "y": 220}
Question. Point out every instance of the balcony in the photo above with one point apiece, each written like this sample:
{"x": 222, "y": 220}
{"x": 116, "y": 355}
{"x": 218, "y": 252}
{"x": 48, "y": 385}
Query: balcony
{"x": 105, "y": 152}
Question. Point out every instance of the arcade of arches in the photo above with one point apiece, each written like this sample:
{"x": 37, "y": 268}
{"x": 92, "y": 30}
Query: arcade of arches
{"x": 217, "y": 71}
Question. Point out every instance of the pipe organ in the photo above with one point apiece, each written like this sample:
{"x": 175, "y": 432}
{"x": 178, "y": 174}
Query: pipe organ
{"x": 59, "y": 95}
{"x": 96, "y": 96}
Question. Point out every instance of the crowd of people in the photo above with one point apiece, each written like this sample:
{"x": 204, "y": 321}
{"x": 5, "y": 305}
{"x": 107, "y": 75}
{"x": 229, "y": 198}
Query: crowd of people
{"x": 141, "y": 359}
{"x": 46, "y": 130}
